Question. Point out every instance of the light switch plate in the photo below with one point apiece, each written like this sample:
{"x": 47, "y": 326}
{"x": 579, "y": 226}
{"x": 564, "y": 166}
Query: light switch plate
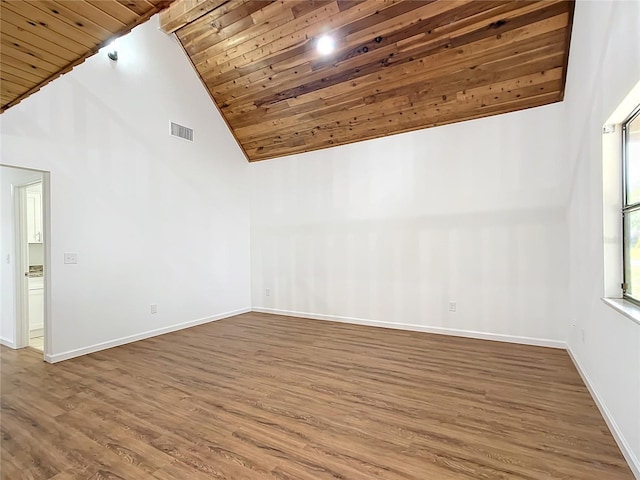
{"x": 71, "y": 258}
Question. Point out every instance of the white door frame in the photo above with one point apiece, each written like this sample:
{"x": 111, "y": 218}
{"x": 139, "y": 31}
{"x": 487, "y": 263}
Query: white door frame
{"x": 46, "y": 265}
{"x": 22, "y": 264}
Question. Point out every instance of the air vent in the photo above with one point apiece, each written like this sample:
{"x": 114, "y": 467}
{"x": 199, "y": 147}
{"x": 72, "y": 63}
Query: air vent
{"x": 182, "y": 131}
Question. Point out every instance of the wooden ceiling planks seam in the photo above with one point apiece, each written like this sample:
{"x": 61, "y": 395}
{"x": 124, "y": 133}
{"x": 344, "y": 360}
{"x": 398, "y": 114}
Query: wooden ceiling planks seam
{"x": 43, "y": 39}
{"x": 398, "y": 65}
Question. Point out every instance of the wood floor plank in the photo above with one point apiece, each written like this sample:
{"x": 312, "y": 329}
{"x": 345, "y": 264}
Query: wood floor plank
{"x": 261, "y": 396}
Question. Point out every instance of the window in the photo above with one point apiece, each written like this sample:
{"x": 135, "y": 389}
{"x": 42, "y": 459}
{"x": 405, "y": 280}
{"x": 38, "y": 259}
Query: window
{"x": 631, "y": 206}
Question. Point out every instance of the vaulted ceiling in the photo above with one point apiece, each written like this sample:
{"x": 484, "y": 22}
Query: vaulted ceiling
{"x": 397, "y": 65}
{"x": 42, "y": 39}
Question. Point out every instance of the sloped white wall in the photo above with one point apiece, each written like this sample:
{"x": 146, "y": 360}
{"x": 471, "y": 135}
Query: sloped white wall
{"x": 389, "y": 231}
{"x": 154, "y": 219}
{"x": 603, "y": 67}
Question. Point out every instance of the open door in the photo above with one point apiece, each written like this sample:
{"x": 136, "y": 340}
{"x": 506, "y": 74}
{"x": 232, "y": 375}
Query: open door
{"x": 32, "y": 252}
{"x": 25, "y": 254}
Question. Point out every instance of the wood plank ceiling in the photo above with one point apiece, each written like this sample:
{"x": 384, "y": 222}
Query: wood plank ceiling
{"x": 397, "y": 65}
{"x": 42, "y": 39}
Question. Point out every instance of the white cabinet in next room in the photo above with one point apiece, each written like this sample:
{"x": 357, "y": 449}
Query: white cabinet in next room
{"x": 34, "y": 213}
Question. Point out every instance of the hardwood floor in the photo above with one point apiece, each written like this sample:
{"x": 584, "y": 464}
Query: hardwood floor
{"x": 266, "y": 397}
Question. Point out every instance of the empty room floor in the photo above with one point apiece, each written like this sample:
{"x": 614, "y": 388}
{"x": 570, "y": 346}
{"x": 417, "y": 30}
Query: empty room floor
{"x": 261, "y": 396}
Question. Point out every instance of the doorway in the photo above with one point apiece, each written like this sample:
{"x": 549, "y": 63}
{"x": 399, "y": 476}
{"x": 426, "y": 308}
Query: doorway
{"x": 25, "y": 252}
{"x": 35, "y": 266}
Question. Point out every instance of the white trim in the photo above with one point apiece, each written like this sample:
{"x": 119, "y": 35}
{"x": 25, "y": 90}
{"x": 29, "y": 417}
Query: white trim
{"x": 625, "y": 448}
{"x": 540, "y": 342}
{"x": 625, "y": 307}
{"x": 36, "y": 332}
{"x": 7, "y": 343}
{"x": 21, "y": 264}
{"x": 58, "y": 357}
{"x": 612, "y": 198}
{"x": 46, "y": 227}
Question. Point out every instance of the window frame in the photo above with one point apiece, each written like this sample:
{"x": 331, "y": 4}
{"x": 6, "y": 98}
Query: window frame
{"x": 626, "y": 207}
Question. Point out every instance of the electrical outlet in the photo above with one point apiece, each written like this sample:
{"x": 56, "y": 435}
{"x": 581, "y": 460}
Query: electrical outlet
{"x": 71, "y": 258}
{"x": 154, "y": 308}
{"x": 267, "y": 292}
{"x": 452, "y": 306}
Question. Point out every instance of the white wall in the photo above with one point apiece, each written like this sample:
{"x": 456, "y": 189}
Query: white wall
{"x": 9, "y": 177}
{"x": 391, "y": 230}
{"x": 603, "y": 67}
{"x": 154, "y": 219}
{"x": 36, "y": 254}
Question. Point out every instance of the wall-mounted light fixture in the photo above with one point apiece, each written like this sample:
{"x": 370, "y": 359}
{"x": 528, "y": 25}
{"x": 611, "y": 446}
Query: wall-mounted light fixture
{"x": 112, "y": 51}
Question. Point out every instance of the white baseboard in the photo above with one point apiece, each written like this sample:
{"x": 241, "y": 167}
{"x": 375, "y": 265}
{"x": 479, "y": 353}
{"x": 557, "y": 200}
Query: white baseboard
{"x": 7, "y": 343}
{"x": 540, "y": 342}
{"x": 627, "y": 452}
{"x": 59, "y": 357}
{"x": 36, "y": 332}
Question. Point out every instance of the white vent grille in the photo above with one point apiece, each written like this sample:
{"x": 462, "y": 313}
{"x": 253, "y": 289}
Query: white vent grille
{"x": 182, "y": 131}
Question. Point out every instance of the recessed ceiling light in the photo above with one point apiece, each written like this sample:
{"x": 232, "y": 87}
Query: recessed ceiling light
{"x": 325, "y": 45}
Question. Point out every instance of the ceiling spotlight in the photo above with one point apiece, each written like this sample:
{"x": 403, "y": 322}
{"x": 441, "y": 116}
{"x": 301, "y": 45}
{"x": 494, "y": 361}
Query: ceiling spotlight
{"x": 112, "y": 51}
{"x": 325, "y": 45}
